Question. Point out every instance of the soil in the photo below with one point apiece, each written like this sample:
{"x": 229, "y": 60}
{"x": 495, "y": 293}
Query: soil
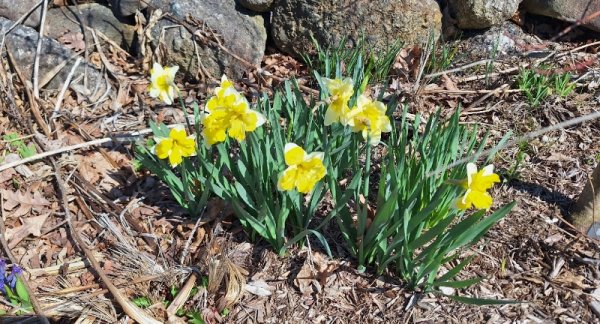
{"x": 148, "y": 247}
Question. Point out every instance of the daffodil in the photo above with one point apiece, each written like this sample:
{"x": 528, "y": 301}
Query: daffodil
{"x": 303, "y": 171}
{"x": 370, "y": 119}
{"x": 162, "y": 84}
{"x": 228, "y": 112}
{"x": 340, "y": 91}
{"x": 476, "y": 186}
{"x": 175, "y": 147}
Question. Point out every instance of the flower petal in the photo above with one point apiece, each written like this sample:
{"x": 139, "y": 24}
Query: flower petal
{"x": 471, "y": 171}
{"x": 293, "y": 154}
{"x": 287, "y": 180}
{"x": 481, "y": 200}
{"x": 163, "y": 148}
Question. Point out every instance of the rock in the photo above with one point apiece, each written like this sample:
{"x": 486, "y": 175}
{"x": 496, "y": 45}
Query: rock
{"x": 9, "y": 10}
{"x": 257, "y": 5}
{"x": 328, "y": 21}
{"x": 480, "y": 14}
{"x": 21, "y": 43}
{"x": 242, "y": 33}
{"x": 64, "y": 20}
{"x": 567, "y": 10}
{"x": 499, "y": 41}
{"x": 125, "y": 8}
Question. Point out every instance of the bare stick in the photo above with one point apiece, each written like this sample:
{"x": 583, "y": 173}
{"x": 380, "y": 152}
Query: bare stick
{"x": 528, "y": 136}
{"x": 186, "y": 249}
{"x": 487, "y": 95}
{"x": 131, "y": 137}
{"x": 458, "y": 69}
{"x": 33, "y": 104}
{"x": 182, "y": 296}
{"x": 128, "y": 307}
{"x": 61, "y": 95}
{"x": 36, "y": 61}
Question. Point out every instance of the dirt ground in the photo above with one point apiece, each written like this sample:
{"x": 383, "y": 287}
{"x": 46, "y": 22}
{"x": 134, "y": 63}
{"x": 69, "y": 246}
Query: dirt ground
{"x": 145, "y": 245}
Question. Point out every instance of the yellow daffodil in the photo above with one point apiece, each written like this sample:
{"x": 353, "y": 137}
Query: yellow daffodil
{"x": 369, "y": 118}
{"x": 476, "y": 185}
{"x": 303, "y": 171}
{"x": 162, "y": 84}
{"x": 228, "y": 112}
{"x": 340, "y": 91}
{"x": 175, "y": 147}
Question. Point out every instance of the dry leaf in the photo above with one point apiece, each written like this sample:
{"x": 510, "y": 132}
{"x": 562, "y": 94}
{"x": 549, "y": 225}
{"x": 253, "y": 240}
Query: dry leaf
{"x": 94, "y": 167}
{"x": 7, "y": 174}
{"x": 572, "y": 281}
{"x": 26, "y": 201}
{"x": 31, "y": 226}
{"x": 304, "y": 278}
{"x": 259, "y": 288}
{"x": 73, "y": 40}
{"x": 322, "y": 269}
{"x": 448, "y": 83}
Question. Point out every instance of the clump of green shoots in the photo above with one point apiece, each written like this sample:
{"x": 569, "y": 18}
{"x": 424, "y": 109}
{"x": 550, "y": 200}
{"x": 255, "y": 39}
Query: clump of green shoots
{"x": 360, "y": 61}
{"x": 14, "y": 143}
{"x": 538, "y": 86}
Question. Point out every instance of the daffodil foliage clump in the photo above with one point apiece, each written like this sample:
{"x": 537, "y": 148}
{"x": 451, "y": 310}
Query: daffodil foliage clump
{"x": 406, "y": 212}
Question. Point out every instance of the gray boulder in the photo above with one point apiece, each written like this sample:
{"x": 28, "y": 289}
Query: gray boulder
{"x": 63, "y": 20}
{"x": 10, "y": 10}
{"x": 567, "y": 10}
{"x": 257, "y": 5}
{"x": 328, "y": 21}
{"x": 21, "y": 43}
{"x": 480, "y": 14}
{"x": 125, "y": 8}
{"x": 240, "y": 32}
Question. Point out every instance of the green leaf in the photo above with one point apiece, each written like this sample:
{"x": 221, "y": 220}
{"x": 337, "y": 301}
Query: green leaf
{"x": 174, "y": 290}
{"x": 142, "y": 302}
{"x": 243, "y": 194}
{"x": 454, "y": 271}
{"x": 21, "y": 290}
{"x": 479, "y": 301}
{"x": 195, "y": 317}
{"x": 458, "y": 283}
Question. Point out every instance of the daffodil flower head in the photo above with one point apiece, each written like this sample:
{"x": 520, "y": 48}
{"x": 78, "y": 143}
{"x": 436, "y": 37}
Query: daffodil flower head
{"x": 370, "y": 119}
{"x": 476, "y": 185}
{"x": 303, "y": 171}
{"x": 228, "y": 112}
{"x": 341, "y": 91}
{"x": 175, "y": 147}
{"x": 162, "y": 83}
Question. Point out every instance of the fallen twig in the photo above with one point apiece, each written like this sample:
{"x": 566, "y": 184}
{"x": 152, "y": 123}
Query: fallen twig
{"x": 33, "y": 105}
{"x": 61, "y": 95}
{"x": 496, "y": 91}
{"x": 528, "y": 136}
{"x": 128, "y": 307}
{"x": 182, "y": 296}
{"x": 38, "y": 52}
{"x": 72, "y": 266}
